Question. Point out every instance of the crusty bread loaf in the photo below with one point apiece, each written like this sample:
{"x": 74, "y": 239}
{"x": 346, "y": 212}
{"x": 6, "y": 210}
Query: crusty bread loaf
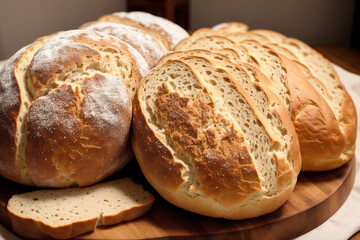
{"x": 167, "y": 33}
{"x": 139, "y": 39}
{"x": 326, "y": 81}
{"x": 65, "y": 111}
{"x": 206, "y": 144}
{"x": 314, "y": 121}
{"x": 66, "y": 213}
{"x": 317, "y": 124}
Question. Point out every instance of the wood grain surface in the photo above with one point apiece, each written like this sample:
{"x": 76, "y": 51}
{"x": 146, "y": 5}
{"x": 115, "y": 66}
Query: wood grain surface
{"x": 316, "y": 197}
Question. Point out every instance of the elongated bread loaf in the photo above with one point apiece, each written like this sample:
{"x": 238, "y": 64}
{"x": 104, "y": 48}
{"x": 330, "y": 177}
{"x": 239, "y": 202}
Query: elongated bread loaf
{"x": 207, "y": 143}
{"x": 66, "y": 109}
{"x": 66, "y": 213}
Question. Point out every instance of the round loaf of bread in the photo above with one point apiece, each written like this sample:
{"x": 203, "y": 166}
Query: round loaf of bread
{"x": 213, "y": 139}
{"x": 65, "y": 109}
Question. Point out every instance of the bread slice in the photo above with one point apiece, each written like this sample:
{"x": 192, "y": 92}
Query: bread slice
{"x": 327, "y": 83}
{"x": 167, "y": 33}
{"x": 219, "y": 44}
{"x": 230, "y": 27}
{"x": 315, "y": 122}
{"x": 66, "y": 213}
{"x": 269, "y": 34}
{"x": 205, "y": 146}
{"x": 238, "y": 37}
{"x": 141, "y": 40}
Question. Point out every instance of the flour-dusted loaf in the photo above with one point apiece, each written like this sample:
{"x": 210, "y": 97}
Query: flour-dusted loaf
{"x": 214, "y": 142}
{"x": 167, "y": 33}
{"x": 65, "y": 109}
{"x": 141, "y": 40}
{"x": 66, "y": 213}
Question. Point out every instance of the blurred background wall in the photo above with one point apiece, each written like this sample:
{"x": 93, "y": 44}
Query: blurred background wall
{"x": 313, "y": 21}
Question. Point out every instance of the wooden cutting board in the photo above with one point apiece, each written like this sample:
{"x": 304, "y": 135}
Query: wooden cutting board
{"x": 316, "y": 197}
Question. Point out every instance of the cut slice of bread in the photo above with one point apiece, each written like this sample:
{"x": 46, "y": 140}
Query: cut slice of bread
{"x": 66, "y": 213}
{"x": 204, "y": 144}
{"x": 238, "y": 37}
{"x": 315, "y": 122}
{"x": 216, "y": 43}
